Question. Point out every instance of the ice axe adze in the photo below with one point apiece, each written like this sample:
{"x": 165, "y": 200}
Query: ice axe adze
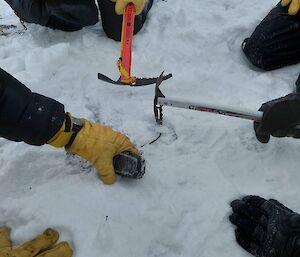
{"x": 161, "y": 100}
{"x": 124, "y": 62}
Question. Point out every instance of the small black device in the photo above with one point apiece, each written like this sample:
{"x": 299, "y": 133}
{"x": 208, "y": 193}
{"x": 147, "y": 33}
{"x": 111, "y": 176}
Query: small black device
{"x": 129, "y": 165}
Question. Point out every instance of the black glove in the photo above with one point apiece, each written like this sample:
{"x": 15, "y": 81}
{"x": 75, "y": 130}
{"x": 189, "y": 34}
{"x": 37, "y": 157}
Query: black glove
{"x": 266, "y": 228}
{"x": 280, "y": 118}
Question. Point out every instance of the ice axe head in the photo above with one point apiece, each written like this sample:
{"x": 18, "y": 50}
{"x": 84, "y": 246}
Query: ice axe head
{"x": 157, "y": 107}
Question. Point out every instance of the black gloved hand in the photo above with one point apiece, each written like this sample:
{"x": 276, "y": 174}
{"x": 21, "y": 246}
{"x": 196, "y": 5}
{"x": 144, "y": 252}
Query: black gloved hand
{"x": 280, "y": 117}
{"x": 266, "y": 228}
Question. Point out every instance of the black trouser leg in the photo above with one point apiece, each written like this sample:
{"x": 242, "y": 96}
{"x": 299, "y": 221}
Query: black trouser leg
{"x": 71, "y": 15}
{"x": 67, "y": 15}
{"x": 112, "y": 23}
{"x": 27, "y": 116}
{"x": 276, "y": 40}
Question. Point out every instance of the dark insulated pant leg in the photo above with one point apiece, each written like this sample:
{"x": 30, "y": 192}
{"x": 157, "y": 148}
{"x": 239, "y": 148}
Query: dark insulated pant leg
{"x": 275, "y": 43}
{"x": 66, "y": 15}
{"x": 30, "y": 10}
{"x": 27, "y": 116}
{"x": 71, "y": 15}
{"x": 112, "y": 23}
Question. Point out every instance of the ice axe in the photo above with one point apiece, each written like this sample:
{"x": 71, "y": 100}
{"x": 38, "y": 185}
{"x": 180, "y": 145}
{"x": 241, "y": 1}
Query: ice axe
{"x": 161, "y": 100}
{"x": 124, "y": 62}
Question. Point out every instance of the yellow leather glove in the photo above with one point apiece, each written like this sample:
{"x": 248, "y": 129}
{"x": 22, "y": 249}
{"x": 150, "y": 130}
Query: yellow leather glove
{"x": 99, "y": 144}
{"x": 121, "y": 5}
{"x": 294, "y": 6}
{"x": 41, "y": 246}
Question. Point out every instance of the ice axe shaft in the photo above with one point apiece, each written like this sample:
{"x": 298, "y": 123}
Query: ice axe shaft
{"x": 204, "y": 107}
{"x": 161, "y": 100}
{"x": 126, "y": 40}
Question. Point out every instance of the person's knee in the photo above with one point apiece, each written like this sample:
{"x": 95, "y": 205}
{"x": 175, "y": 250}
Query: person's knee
{"x": 113, "y": 29}
{"x": 113, "y": 33}
{"x": 112, "y": 23}
{"x": 274, "y": 42}
{"x": 30, "y": 11}
{"x": 72, "y": 15}
{"x": 258, "y": 54}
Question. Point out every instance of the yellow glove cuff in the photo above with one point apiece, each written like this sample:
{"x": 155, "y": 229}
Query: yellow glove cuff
{"x": 63, "y": 136}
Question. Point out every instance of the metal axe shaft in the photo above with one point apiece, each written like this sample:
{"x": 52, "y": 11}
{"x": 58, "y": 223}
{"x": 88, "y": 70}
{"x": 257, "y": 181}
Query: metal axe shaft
{"x": 204, "y": 107}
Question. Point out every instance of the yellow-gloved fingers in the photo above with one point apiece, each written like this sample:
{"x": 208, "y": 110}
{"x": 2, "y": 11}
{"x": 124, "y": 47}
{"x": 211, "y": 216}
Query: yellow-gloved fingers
{"x": 121, "y": 5}
{"x": 109, "y": 179}
{"x": 134, "y": 150}
{"x": 294, "y": 7}
{"x": 285, "y": 2}
{"x": 5, "y": 237}
{"x": 106, "y": 170}
{"x": 34, "y": 246}
{"x": 139, "y": 6}
{"x": 126, "y": 145}
{"x": 104, "y": 164}
{"x": 62, "y": 249}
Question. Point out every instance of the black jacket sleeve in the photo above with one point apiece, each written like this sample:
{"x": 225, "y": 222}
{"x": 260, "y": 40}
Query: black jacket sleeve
{"x": 67, "y": 15}
{"x": 27, "y": 116}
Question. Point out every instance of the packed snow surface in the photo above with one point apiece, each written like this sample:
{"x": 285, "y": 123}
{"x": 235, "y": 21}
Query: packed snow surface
{"x": 201, "y": 162}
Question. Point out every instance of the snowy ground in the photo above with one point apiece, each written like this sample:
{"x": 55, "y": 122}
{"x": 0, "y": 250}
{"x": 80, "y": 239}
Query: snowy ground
{"x": 202, "y": 161}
